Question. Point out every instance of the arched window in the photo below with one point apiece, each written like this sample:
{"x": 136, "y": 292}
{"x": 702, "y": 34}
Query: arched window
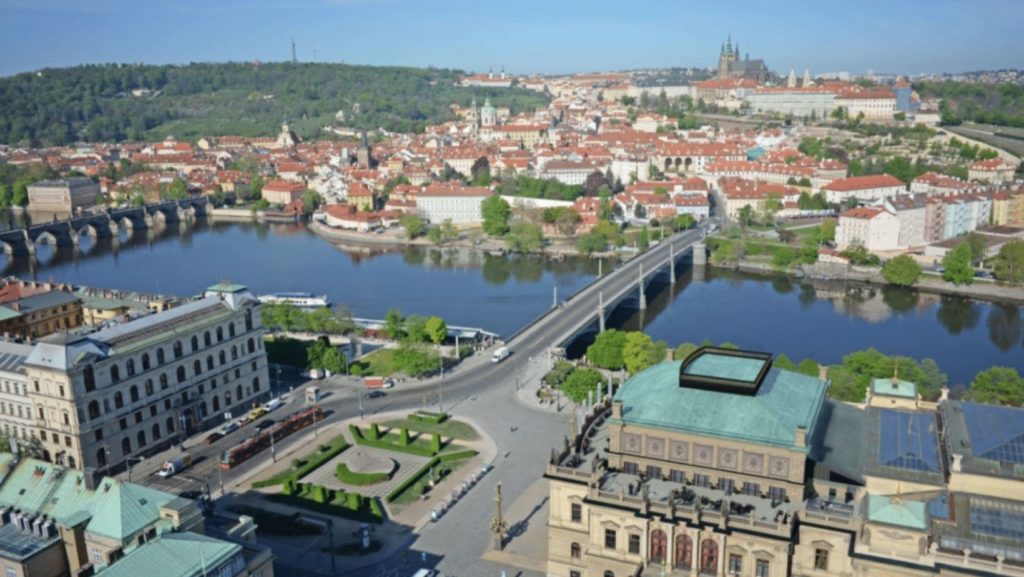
{"x": 115, "y": 373}
{"x": 209, "y": 362}
{"x": 195, "y": 343}
{"x": 145, "y": 361}
{"x": 156, "y": 431}
{"x": 220, "y": 334}
{"x": 178, "y": 350}
{"x": 238, "y": 392}
{"x": 133, "y": 393}
{"x": 216, "y": 404}
{"x": 118, "y": 400}
{"x": 169, "y": 425}
{"x": 94, "y": 410}
{"x": 609, "y": 574}
{"x": 126, "y": 446}
{"x": 149, "y": 387}
{"x": 181, "y": 374}
{"x": 256, "y": 384}
{"x": 130, "y": 367}
{"x": 684, "y": 552}
{"x": 708, "y": 556}
{"x": 163, "y": 382}
{"x": 251, "y": 346}
{"x": 197, "y": 367}
{"x": 141, "y": 437}
{"x": 89, "y": 376}
{"x": 206, "y": 338}
{"x": 160, "y": 356}
{"x": 223, "y": 358}
{"x": 231, "y": 330}
{"x": 659, "y": 546}
{"x": 248, "y": 320}
{"x": 227, "y": 399}
{"x": 234, "y": 352}
{"x": 574, "y": 551}
{"x": 101, "y": 457}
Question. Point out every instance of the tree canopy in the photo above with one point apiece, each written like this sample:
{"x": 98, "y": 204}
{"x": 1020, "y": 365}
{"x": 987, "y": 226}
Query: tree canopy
{"x": 997, "y": 385}
{"x": 902, "y": 270}
{"x": 957, "y": 264}
{"x": 495, "y": 212}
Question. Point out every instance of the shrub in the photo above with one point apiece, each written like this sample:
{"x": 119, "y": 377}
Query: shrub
{"x": 353, "y": 501}
{"x": 435, "y": 443}
{"x": 302, "y": 467}
{"x": 357, "y": 436}
{"x": 375, "y": 508}
{"x": 350, "y": 477}
{"x": 404, "y": 437}
{"x": 374, "y": 431}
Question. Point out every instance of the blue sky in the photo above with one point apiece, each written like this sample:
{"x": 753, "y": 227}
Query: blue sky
{"x": 525, "y": 36}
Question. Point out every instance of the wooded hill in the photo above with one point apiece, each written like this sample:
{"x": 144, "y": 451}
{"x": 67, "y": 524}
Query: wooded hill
{"x": 115, "y": 102}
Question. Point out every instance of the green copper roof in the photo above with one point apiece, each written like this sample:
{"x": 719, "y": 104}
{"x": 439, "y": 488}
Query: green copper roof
{"x": 898, "y": 512}
{"x": 175, "y": 555}
{"x": 227, "y": 287}
{"x": 784, "y": 401}
{"x": 726, "y": 367}
{"x": 116, "y": 509}
{"x": 8, "y": 313}
{"x": 894, "y": 388}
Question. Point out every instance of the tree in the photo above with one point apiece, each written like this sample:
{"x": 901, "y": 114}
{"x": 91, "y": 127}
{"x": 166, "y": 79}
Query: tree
{"x": 177, "y": 190}
{"x": 138, "y": 200}
{"x": 413, "y": 225}
{"x": 746, "y": 215}
{"x": 640, "y": 352}
{"x": 606, "y": 351}
{"x": 685, "y": 221}
{"x": 998, "y": 386}
{"x": 416, "y": 329}
{"x": 394, "y": 324}
{"x": 643, "y": 239}
{"x": 902, "y": 271}
{"x": 444, "y": 232}
{"x": 436, "y": 329}
{"x": 495, "y": 213}
{"x": 5, "y": 196}
{"x": 20, "y": 195}
{"x": 580, "y": 382}
{"x": 594, "y": 182}
{"x": 684, "y": 350}
{"x": 524, "y": 237}
{"x": 481, "y": 172}
{"x": 1009, "y": 263}
{"x": 592, "y": 242}
{"x": 772, "y": 205}
{"x": 978, "y": 245}
{"x": 567, "y": 221}
{"x": 828, "y": 230}
{"x": 315, "y": 354}
{"x": 311, "y": 200}
{"x": 957, "y": 263}
{"x": 334, "y": 360}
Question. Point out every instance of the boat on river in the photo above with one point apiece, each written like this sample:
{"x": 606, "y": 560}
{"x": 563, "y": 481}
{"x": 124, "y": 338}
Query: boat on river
{"x": 296, "y": 299}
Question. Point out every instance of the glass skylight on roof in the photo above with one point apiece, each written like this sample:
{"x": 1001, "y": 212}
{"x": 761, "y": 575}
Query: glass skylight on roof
{"x": 908, "y": 441}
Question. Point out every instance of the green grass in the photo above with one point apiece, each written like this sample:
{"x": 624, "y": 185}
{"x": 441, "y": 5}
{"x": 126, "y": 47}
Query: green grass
{"x": 380, "y": 363}
{"x": 451, "y": 428}
{"x": 349, "y": 477}
{"x": 338, "y": 505}
{"x": 421, "y": 486}
{"x": 306, "y": 464}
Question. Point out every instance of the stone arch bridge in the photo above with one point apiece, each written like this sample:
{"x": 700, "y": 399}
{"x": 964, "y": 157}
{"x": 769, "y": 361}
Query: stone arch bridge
{"x": 68, "y": 232}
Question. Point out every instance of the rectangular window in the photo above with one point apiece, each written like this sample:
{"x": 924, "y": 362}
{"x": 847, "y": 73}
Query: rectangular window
{"x": 777, "y": 493}
{"x": 124, "y": 423}
{"x": 653, "y": 472}
{"x": 11, "y": 572}
{"x": 726, "y": 485}
{"x": 574, "y": 574}
{"x": 735, "y": 564}
{"x": 761, "y": 568}
{"x": 609, "y": 538}
{"x": 95, "y": 555}
{"x": 634, "y": 544}
{"x": 701, "y": 480}
{"x": 751, "y": 489}
{"x": 629, "y": 468}
{"x": 677, "y": 476}
{"x": 577, "y": 513}
{"x": 821, "y": 559}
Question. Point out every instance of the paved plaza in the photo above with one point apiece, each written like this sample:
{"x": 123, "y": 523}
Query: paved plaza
{"x": 407, "y": 466}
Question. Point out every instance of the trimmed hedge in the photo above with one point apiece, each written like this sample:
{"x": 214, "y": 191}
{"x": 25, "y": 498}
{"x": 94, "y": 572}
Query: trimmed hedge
{"x": 349, "y": 477}
{"x": 357, "y": 436}
{"x": 442, "y": 458}
{"x": 306, "y": 465}
{"x": 330, "y": 502}
{"x": 428, "y": 417}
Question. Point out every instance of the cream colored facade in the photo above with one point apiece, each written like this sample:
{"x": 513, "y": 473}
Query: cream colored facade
{"x": 879, "y": 231}
{"x": 137, "y": 388}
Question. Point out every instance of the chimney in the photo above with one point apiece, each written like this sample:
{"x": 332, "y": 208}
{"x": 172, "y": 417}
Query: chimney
{"x": 801, "y": 436}
{"x": 957, "y": 459}
{"x": 944, "y": 394}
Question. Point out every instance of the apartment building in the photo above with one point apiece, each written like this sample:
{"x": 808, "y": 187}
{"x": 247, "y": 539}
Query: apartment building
{"x": 15, "y": 405}
{"x": 64, "y": 195}
{"x": 138, "y": 387}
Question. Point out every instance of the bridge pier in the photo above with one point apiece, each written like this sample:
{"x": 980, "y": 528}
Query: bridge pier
{"x": 600, "y": 312}
{"x": 671, "y": 264}
{"x": 700, "y": 254}
{"x": 640, "y": 286}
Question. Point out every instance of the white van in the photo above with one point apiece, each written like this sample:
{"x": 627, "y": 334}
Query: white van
{"x": 272, "y": 404}
{"x": 500, "y": 355}
{"x": 424, "y": 573}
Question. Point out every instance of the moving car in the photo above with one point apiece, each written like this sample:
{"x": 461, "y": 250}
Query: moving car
{"x": 229, "y": 428}
{"x": 374, "y": 394}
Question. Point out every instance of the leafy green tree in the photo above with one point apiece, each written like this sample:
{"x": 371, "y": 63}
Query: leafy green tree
{"x": 978, "y": 245}
{"x": 808, "y": 367}
{"x": 902, "y": 271}
{"x": 394, "y": 324}
{"x": 859, "y": 255}
{"x": 5, "y": 196}
{"x": 643, "y": 239}
{"x": 746, "y": 215}
{"x": 997, "y": 386}
{"x": 334, "y": 360}
{"x": 495, "y": 212}
{"x": 606, "y": 351}
{"x": 177, "y": 190}
{"x": 684, "y": 350}
{"x": 436, "y": 329}
{"x": 1009, "y": 263}
{"x": 592, "y": 242}
{"x": 685, "y": 221}
{"x": 311, "y": 200}
{"x": 481, "y": 172}
{"x": 827, "y": 231}
{"x": 640, "y": 352}
{"x": 20, "y": 195}
{"x": 957, "y": 264}
{"x": 413, "y": 225}
{"x": 416, "y": 329}
{"x": 315, "y": 354}
{"x": 580, "y": 382}
{"x": 524, "y": 237}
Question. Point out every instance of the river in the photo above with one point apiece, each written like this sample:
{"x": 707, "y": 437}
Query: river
{"x": 823, "y": 321}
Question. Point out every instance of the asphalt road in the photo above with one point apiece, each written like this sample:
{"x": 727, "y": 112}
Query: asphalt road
{"x": 475, "y": 376}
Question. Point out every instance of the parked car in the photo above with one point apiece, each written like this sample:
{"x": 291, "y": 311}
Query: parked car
{"x": 374, "y": 394}
{"x": 265, "y": 423}
{"x": 213, "y": 438}
{"x": 229, "y": 428}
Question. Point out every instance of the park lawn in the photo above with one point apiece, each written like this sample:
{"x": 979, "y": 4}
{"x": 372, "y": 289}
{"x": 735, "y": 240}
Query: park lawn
{"x": 450, "y": 428}
{"x": 417, "y": 489}
{"x": 379, "y": 363}
{"x": 394, "y": 437}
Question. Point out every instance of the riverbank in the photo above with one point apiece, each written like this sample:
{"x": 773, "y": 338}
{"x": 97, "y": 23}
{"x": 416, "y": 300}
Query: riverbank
{"x": 981, "y": 289}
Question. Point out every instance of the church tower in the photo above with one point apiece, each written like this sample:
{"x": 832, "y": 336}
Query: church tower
{"x": 807, "y": 78}
{"x": 726, "y": 57}
{"x": 791, "y": 79}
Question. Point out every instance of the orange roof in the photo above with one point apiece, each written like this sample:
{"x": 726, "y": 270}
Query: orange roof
{"x": 863, "y": 182}
{"x": 284, "y": 186}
